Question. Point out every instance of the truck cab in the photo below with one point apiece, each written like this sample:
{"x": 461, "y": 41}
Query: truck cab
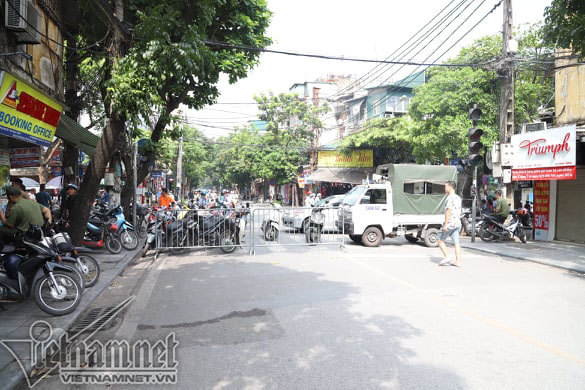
{"x": 408, "y": 202}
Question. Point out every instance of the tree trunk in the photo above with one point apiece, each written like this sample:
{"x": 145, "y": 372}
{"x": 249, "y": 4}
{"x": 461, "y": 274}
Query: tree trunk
{"x": 70, "y": 160}
{"x": 128, "y": 190}
{"x": 95, "y": 171}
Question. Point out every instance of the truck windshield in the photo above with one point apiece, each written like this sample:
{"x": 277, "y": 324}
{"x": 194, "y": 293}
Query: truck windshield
{"x": 352, "y": 196}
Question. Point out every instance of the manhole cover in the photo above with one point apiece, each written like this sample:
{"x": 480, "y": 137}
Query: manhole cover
{"x": 96, "y": 318}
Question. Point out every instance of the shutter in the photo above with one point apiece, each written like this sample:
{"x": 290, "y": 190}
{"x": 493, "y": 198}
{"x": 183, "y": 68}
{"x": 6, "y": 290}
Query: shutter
{"x": 570, "y": 220}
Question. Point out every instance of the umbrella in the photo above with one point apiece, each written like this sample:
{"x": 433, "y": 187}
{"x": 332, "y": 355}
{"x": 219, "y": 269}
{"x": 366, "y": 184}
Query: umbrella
{"x": 29, "y": 183}
{"x": 56, "y": 182}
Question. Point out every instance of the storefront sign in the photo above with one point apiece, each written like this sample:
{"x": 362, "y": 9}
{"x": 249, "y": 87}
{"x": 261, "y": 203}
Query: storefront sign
{"x": 545, "y": 155}
{"x": 25, "y": 157}
{"x": 301, "y": 182}
{"x": 355, "y": 159}
{"x": 25, "y": 113}
{"x": 541, "y": 204}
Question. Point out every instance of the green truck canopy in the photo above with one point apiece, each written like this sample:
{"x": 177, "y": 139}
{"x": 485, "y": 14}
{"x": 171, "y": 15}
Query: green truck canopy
{"x": 419, "y": 189}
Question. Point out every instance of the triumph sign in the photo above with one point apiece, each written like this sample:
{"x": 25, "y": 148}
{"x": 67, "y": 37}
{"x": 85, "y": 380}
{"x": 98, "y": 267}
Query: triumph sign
{"x": 545, "y": 155}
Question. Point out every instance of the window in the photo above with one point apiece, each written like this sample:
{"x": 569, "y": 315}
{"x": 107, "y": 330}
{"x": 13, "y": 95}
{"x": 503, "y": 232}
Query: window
{"x": 376, "y": 109}
{"x": 374, "y": 196}
{"x": 424, "y": 188}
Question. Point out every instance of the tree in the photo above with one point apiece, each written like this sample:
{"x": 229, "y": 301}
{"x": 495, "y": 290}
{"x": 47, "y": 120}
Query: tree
{"x": 565, "y": 25}
{"x": 165, "y": 62}
{"x": 440, "y": 107}
{"x": 388, "y": 135}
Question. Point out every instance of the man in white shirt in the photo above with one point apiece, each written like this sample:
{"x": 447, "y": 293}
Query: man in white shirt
{"x": 452, "y": 225}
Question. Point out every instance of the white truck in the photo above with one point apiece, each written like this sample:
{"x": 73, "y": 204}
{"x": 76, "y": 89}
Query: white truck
{"x": 404, "y": 200}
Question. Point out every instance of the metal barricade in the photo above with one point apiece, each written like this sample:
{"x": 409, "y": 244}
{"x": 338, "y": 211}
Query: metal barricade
{"x": 181, "y": 229}
{"x": 265, "y": 226}
{"x": 273, "y": 225}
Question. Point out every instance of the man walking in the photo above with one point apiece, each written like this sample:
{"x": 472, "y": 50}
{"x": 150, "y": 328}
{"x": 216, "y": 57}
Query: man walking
{"x": 452, "y": 225}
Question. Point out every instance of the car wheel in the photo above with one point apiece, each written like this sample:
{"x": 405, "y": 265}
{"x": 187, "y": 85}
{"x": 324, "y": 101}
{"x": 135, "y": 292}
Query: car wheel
{"x": 372, "y": 236}
{"x": 432, "y": 238}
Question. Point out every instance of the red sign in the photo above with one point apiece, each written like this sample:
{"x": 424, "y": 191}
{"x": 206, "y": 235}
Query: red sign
{"x": 541, "y": 204}
{"x": 553, "y": 173}
{"x": 25, "y": 157}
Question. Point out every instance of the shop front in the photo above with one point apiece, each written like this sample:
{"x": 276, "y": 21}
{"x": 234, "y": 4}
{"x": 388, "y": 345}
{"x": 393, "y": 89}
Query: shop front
{"x": 550, "y": 159}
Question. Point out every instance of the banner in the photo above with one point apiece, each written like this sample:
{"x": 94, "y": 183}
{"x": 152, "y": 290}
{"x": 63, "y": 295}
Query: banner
{"x": 545, "y": 155}
{"x": 356, "y": 159}
{"x": 25, "y": 113}
{"x": 541, "y": 204}
{"x": 25, "y": 157}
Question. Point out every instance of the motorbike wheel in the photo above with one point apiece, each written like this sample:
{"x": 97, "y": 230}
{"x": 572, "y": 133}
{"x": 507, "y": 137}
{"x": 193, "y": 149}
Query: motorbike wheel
{"x": 227, "y": 241}
{"x": 129, "y": 240}
{"x": 177, "y": 250}
{"x": 521, "y": 234}
{"x": 142, "y": 228}
{"x": 93, "y": 270}
{"x": 113, "y": 245}
{"x": 60, "y": 299}
{"x": 312, "y": 235}
{"x": 485, "y": 234}
{"x": 271, "y": 233}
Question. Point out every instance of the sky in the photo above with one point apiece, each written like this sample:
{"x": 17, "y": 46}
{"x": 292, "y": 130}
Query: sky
{"x": 371, "y": 29}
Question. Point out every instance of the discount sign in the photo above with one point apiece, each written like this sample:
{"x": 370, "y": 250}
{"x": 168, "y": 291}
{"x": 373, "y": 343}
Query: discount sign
{"x": 541, "y": 204}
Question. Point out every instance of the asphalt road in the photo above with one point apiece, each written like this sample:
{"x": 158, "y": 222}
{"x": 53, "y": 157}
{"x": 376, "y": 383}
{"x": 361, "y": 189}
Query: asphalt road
{"x": 358, "y": 318}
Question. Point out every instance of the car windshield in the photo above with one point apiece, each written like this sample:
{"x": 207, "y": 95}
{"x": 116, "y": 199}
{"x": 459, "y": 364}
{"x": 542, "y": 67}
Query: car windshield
{"x": 352, "y": 196}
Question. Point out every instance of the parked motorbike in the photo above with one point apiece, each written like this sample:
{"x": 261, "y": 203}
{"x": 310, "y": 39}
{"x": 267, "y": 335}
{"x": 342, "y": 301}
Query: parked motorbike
{"x": 53, "y": 284}
{"x": 125, "y": 233}
{"x": 315, "y": 227}
{"x": 492, "y": 229}
{"x": 466, "y": 221}
{"x": 88, "y": 266}
{"x": 101, "y": 232}
{"x": 272, "y": 222}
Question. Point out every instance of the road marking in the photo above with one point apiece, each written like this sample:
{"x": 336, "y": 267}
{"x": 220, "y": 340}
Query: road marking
{"x": 479, "y": 317}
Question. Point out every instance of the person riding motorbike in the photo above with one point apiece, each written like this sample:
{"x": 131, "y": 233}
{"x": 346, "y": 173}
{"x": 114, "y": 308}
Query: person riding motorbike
{"x": 24, "y": 212}
{"x": 165, "y": 199}
{"x": 502, "y": 208}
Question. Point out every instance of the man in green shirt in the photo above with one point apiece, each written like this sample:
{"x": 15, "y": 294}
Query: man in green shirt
{"x": 503, "y": 207}
{"x": 23, "y": 213}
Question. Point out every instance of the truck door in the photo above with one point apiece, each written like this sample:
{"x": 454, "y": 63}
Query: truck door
{"x": 376, "y": 204}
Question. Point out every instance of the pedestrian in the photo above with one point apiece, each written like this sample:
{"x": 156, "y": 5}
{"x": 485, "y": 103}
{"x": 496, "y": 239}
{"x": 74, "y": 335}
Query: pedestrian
{"x": 164, "y": 200}
{"x": 451, "y": 226}
{"x": 43, "y": 197}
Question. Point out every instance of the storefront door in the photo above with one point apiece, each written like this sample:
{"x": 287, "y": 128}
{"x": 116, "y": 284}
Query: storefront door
{"x": 570, "y": 208}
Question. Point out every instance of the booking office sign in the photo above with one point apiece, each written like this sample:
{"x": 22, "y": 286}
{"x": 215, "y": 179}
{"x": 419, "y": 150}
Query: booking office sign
{"x": 25, "y": 113}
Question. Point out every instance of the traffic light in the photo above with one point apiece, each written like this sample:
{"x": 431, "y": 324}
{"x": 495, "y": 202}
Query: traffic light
{"x": 475, "y": 133}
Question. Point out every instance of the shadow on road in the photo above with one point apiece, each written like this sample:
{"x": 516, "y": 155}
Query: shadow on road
{"x": 252, "y": 322}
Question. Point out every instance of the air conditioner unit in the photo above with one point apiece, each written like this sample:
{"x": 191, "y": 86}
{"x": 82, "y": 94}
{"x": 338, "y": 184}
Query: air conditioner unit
{"x": 536, "y": 126}
{"x": 16, "y": 14}
{"x": 31, "y": 33}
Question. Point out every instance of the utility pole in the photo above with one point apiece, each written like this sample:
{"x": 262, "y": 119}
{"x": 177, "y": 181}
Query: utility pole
{"x": 506, "y": 73}
{"x": 134, "y": 179}
{"x": 180, "y": 169}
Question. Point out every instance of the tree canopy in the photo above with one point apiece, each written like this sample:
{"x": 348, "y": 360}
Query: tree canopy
{"x": 565, "y": 25}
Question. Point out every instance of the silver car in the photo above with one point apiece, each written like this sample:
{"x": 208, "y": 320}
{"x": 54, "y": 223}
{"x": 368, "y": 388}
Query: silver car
{"x": 298, "y": 218}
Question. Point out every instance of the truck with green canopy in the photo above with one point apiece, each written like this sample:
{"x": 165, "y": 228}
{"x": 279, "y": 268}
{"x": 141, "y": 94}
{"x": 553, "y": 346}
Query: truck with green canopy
{"x": 400, "y": 200}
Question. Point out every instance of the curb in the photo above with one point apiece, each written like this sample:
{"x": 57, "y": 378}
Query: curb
{"x": 550, "y": 263}
{"x": 12, "y": 375}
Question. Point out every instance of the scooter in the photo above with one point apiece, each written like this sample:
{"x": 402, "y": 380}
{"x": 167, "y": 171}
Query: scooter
{"x": 315, "y": 227}
{"x": 272, "y": 222}
{"x": 125, "y": 232}
{"x": 56, "y": 291}
{"x": 492, "y": 229}
{"x": 101, "y": 232}
{"x": 466, "y": 221}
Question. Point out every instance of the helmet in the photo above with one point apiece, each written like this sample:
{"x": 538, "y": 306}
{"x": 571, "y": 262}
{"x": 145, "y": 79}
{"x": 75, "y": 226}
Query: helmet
{"x": 71, "y": 185}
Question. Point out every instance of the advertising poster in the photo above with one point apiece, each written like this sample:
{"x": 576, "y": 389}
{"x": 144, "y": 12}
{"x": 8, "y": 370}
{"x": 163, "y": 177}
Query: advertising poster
{"x": 541, "y": 204}
{"x": 356, "y": 159}
{"x": 25, "y": 157}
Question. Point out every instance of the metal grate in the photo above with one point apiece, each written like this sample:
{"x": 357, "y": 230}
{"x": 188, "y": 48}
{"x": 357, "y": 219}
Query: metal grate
{"x": 98, "y": 318}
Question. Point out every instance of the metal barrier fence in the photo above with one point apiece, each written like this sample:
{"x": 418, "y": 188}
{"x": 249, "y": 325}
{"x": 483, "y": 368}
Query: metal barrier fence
{"x": 229, "y": 229}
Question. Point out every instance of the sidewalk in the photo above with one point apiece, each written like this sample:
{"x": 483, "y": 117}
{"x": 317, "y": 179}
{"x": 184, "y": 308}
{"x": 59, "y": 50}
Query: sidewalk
{"x": 15, "y": 321}
{"x": 558, "y": 254}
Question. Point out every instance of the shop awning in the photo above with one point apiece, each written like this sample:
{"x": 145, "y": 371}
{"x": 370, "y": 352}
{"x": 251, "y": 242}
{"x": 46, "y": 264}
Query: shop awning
{"x": 72, "y": 132}
{"x": 342, "y": 175}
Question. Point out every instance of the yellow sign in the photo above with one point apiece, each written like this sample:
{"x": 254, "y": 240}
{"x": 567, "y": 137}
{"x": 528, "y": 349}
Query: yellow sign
{"x": 355, "y": 159}
{"x": 25, "y": 113}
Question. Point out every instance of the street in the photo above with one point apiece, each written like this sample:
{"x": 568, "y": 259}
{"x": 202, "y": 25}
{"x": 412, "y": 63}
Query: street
{"x": 387, "y": 317}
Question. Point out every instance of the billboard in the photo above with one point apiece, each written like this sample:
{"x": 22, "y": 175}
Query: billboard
{"x": 25, "y": 113}
{"x": 356, "y": 159}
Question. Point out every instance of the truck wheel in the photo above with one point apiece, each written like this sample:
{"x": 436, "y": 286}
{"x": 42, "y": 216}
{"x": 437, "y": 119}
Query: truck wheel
{"x": 432, "y": 237}
{"x": 372, "y": 236}
{"x": 411, "y": 238}
{"x": 357, "y": 238}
